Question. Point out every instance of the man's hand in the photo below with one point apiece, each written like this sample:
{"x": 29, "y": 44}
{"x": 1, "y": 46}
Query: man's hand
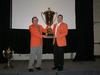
{"x": 49, "y": 26}
{"x": 43, "y": 36}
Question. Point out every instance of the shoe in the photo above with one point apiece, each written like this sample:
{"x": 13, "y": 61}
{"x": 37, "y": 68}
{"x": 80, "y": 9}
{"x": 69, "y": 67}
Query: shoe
{"x": 54, "y": 68}
{"x": 60, "y": 68}
{"x": 30, "y": 70}
{"x": 38, "y": 68}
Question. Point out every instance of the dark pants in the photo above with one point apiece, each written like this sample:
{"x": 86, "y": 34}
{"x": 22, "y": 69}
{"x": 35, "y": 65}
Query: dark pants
{"x": 58, "y": 56}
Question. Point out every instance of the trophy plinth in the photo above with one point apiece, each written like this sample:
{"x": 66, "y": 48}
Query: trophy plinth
{"x": 48, "y": 17}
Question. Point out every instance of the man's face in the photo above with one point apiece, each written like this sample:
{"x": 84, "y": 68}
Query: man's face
{"x": 35, "y": 21}
{"x": 60, "y": 18}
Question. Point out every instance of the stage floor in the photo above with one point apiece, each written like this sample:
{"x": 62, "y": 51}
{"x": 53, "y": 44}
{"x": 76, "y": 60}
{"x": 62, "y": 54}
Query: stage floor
{"x": 21, "y": 66}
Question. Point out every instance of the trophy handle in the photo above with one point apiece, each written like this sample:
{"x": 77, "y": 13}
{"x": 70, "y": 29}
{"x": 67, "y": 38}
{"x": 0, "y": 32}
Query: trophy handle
{"x": 43, "y": 17}
{"x": 56, "y": 14}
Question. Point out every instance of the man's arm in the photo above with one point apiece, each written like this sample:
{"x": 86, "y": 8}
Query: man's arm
{"x": 44, "y": 29}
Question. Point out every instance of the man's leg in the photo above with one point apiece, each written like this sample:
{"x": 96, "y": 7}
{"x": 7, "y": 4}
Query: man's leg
{"x": 60, "y": 58}
{"x": 55, "y": 58}
{"x": 39, "y": 57}
{"x": 32, "y": 58}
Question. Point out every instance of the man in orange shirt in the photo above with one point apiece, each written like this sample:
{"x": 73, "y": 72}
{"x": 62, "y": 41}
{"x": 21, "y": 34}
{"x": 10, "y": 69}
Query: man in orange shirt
{"x": 60, "y": 31}
{"x": 35, "y": 44}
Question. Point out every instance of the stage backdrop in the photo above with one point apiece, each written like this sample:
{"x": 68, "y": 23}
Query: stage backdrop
{"x": 24, "y": 10}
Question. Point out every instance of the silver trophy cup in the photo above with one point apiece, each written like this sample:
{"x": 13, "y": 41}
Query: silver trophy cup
{"x": 49, "y": 18}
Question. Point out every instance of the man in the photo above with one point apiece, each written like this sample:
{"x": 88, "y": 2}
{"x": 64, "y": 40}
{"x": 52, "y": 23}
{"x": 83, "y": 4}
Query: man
{"x": 60, "y": 31}
{"x": 35, "y": 44}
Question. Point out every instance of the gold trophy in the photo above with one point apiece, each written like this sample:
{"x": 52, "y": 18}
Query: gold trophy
{"x": 8, "y": 54}
{"x": 49, "y": 17}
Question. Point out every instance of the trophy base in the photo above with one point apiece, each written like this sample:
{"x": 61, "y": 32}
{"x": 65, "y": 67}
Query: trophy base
{"x": 50, "y": 35}
{"x": 8, "y": 65}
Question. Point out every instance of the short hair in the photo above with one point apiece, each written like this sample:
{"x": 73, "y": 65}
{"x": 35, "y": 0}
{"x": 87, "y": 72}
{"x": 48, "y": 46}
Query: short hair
{"x": 34, "y": 18}
{"x": 60, "y": 15}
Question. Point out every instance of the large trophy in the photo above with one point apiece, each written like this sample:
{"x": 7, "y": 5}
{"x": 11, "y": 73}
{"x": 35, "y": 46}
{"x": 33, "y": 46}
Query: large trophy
{"x": 8, "y": 54}
{"x": 49, "y": 17}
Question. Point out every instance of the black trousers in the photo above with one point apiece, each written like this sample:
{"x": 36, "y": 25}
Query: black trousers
{"x": 58, "y": 56}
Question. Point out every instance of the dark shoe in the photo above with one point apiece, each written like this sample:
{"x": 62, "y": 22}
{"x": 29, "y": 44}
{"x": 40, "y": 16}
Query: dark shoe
{"x": 38, "y": 68}
{"x": 54, "y": 68}
{"x": 60, "y": 68}
{"x": 30, "y": 70}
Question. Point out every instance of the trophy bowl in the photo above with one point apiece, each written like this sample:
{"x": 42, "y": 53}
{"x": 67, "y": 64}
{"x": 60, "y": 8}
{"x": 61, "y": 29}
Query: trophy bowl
{"x": 48, "y": 18}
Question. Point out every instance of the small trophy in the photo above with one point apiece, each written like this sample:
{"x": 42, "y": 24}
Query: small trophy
{"x": 8, "y": 54}
{"x": 48, "y": 17}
